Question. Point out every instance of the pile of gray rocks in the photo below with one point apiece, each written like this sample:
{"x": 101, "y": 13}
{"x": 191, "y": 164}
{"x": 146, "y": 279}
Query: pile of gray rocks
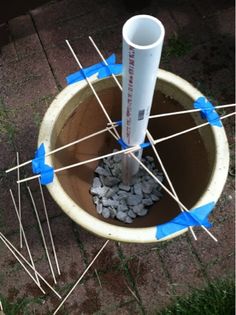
{"x": 113, "y": 199}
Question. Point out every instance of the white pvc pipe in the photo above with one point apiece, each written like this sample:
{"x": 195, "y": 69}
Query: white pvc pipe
{"x": 143, "y": 37}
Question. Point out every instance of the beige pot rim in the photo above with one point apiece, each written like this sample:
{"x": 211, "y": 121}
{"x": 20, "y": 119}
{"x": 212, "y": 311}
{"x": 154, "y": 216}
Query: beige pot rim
{"x": 107, "y": 230}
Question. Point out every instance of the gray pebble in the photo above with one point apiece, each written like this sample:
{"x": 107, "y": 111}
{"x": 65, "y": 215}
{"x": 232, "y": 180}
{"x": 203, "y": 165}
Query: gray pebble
{"x": 143, "y": 212}
{"x": 112, "y": 212}
{"x": 154, "y": 198}
{"x": 121, "y": 215}
{"x": 147, "y": 187}
{"x": 110, "y": 193}
{"x": 99, "y": 208}
{"x": 122, "y": 208}
{"x": 152, "y": 181}
{"x": 157, "y": 193}
{"x": 147, "y": 202}
{"x": 110, "y": 181}
{"x": 116, "y": 171}
{"x": 96, "y": 182}
{"x": 95, "y": 200}
{"x": 110, "y": 203}
{"x": 115, "y": 196}
{"x": 138, "y": 208}
{"x": 124, "y": 187}
{"x": 134, "y": 200}
{"x": 128, "y": 219}
{"x": 138, "y": 189}
{"x": 108, "y": 161}
{"x": 131, "y": 214}
{"x": 100, "y": 191}
{"x": 102, "y": 171}
{"x": 123, "y": 194}
{"x": 105, "y": 213}
{"x": 117, "y": 158}
{"x": 146, "y": 177}
{"x": 124, "y": 202}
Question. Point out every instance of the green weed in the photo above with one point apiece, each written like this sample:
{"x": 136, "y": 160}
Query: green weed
{"x": 215, "y": 299}
{"x": 177, "y": 46}
{"x": 21, "y": 306}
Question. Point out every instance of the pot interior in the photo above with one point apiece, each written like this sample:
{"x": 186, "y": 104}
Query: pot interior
{"x": 185, "y": 157}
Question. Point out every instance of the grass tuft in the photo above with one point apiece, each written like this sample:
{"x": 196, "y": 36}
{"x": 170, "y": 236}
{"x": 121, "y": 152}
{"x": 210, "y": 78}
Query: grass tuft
{"x": 177, "y": 46}
{"x": 218, "y": 298}
{"x": 20, "y": 306}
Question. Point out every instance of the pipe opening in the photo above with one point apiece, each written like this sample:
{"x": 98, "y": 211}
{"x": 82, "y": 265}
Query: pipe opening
{"x": 143, "y": 31}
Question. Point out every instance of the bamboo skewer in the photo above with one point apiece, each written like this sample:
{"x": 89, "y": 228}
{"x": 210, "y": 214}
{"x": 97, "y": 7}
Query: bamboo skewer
{"x": 154, "y": 142}
{"x": 91, "y": 86}
{"x": 129, "y": 150}
{"x": 135, "y": 148}
{"x": 19, "y": 195}
{"x": 24, "y": 236}
{"x": 49, "y": 228}
{"x": 151, "y": 140}
{"x": 104, "y": 60}
{"x": 190, "y": 111}
{"x": 126, "y": 151}
{"x": 42, "y": 235}
{"x": 12, "y": 248}
{"x": 62, "y": 148}
{"x": 166, "y": 189}
{"x": 17, "y": 258}
{"x": 190, "y": 129}
{"x": 80, "y": 278}
{"x": 149, "y": 135}
{"x": 164, "y": 114}
{"x": 77, "y": 164}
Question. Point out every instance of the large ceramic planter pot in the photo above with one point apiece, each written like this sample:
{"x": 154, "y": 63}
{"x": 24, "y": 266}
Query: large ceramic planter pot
{"x": 197, "y": 162}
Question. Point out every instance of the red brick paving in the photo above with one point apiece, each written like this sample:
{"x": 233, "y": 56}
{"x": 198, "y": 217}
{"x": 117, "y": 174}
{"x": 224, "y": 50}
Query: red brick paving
{"x": 182, "y": 267}
{"x": 33, "y": 66}
{"x": 152, "y": 284}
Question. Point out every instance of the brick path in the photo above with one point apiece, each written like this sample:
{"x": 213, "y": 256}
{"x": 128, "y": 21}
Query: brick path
{"x": 199, "y": 46}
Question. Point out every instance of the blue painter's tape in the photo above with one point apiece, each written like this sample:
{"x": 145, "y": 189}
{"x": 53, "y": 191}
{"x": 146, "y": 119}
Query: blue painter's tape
{"x": 39, "y": 167}
{"x": 119, "y": 122}
{"x": 111, "y": 60}
{"x": 122, "y": 144}
{"x": 79, "y": 75}
{"x": 47, "y": 175}
{"x": 106, "y": 71}
{"x": 195, "y": 217}
{"x": 39, "y": 159}
{"x": 145, "y": 145}
{"x": 208, "y": 111}
{"x": 100, "y": 68}
{"x": 125, "y": 146}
